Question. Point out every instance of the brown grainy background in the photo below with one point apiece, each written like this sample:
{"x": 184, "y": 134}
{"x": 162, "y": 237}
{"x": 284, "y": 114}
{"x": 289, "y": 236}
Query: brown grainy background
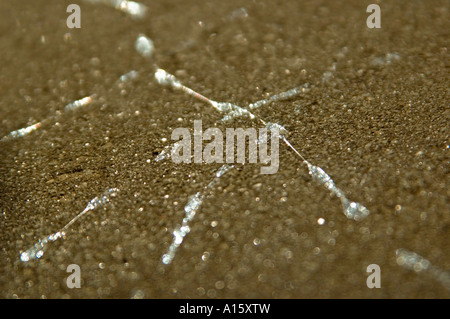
{"x": 379, "y": 129}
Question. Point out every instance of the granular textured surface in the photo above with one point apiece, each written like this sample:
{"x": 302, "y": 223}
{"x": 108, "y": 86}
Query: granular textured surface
{"x": 374, "y": 117}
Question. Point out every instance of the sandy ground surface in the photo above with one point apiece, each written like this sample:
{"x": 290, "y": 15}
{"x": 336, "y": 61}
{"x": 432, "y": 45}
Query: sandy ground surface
{"x": 375, "y": 119}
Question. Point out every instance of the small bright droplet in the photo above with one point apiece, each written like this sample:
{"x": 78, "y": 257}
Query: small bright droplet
{"x": 144, "y": 46}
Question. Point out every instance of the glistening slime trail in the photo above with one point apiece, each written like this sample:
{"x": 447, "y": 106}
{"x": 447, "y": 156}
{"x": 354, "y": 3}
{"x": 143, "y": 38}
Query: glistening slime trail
{"x": 38, "y": 249}
{"x": 413, "y": 261}
{"x": 75, "y": 105}
{"x": 134, "y": 9}
{"x": 407, "y": 259}
{"x": 352, "y": 210}
{"x": 54, "y": 118}
{"x": 191, "y": 208}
